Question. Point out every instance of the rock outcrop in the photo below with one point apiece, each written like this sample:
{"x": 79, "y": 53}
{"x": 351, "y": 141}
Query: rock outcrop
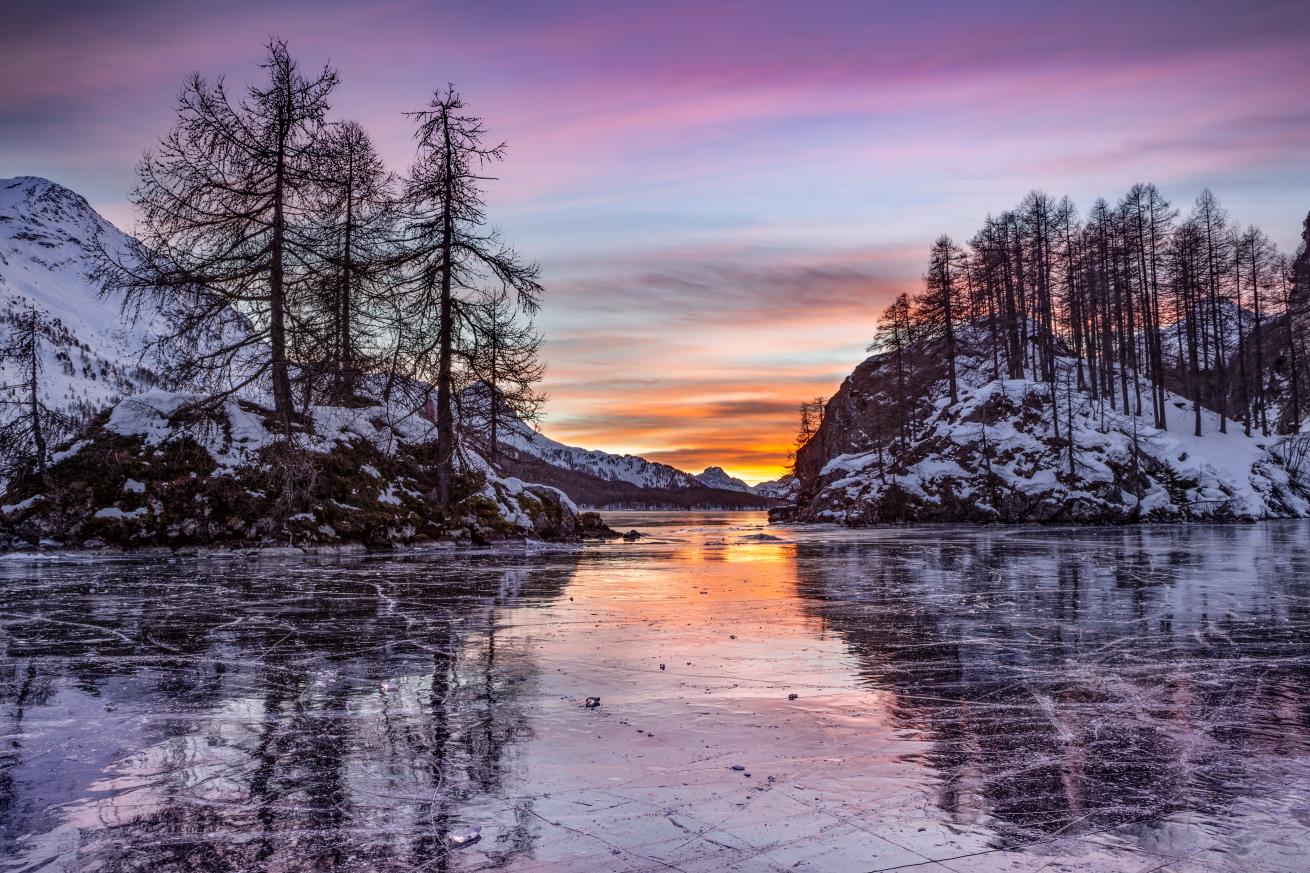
{"x": 165, "y": 469}
{"x": 1017, "y": 450}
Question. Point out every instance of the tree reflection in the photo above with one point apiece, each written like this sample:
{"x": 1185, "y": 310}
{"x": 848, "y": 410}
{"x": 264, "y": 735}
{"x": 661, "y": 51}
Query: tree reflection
{"x": 326, "y": 715}
{"x": 1071, "y": 682}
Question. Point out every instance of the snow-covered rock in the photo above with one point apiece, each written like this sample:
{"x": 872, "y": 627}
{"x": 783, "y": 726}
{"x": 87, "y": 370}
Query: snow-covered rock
{"x": 165, "y": 469}
{"x": 1004, "y": 453}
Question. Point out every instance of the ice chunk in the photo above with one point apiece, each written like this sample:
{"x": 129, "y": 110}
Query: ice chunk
{"x": 465, "y": 836}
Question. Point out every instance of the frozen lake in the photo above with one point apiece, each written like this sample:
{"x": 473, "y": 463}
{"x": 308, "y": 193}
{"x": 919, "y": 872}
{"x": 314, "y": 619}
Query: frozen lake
{"x": 964, "y": 699}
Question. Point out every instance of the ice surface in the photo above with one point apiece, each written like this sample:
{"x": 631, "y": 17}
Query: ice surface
{"x": 1015, "y": 699}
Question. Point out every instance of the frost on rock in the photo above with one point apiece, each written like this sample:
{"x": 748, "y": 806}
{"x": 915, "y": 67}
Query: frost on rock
{"x": 1000, "y": 454}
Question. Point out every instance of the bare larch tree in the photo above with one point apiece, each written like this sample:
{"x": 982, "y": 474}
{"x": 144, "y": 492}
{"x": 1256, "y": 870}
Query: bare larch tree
{"x": 224, "y": 201}
{"x": 453, "y": 256}
{"x": 504, "y": 365}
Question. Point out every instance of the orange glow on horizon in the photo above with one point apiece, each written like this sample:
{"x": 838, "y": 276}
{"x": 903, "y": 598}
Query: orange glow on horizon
{"x": 720, "y": 392}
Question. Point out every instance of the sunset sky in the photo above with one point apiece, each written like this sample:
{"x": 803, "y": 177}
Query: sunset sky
{"x": 722, "y": 196}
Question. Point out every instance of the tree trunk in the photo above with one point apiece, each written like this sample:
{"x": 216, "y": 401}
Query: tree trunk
{"x": 1216, "y": 313}
{"x": 1192, "y": 341}
{"x": 1295, "y": 423}
{"x": 494, "y": 448}
{"x": 34, "y": 402}
{"x": 345, "y": 355}
{"x": 1259, "y": 350}
{"x": 1243, "y": 388}
{"x": 282, "y": 401}
{"x": 948, "y": 292}
{"x": 445, "y": 424}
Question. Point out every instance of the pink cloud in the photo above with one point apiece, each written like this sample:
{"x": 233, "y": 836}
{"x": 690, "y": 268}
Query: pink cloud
{"x": 723, "y": 195}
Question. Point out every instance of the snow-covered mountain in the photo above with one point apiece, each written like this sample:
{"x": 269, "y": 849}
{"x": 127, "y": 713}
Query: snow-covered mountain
{"x": 601, "y": 480}
{"x": 717, "y": 477}
{"x": 92, "y": 355}
{"x": 784, "y": 488}
{"x": 602, "y": 465}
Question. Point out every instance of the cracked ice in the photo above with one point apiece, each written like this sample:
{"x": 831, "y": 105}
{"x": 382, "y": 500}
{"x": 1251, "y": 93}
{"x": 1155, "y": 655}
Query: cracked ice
{"x": 938, "y": 698}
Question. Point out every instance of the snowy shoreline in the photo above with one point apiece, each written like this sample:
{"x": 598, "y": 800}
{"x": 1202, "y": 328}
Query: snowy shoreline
{"x": 999, "y": 455}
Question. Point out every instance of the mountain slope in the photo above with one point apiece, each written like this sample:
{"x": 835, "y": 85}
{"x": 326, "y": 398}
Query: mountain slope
{"x": 601, "y": 480}
{"x": 784, "y": 488}
{"x": 592, "y": 492}
{"x": 519, "y": 437}
{"x": 92, "y": 356}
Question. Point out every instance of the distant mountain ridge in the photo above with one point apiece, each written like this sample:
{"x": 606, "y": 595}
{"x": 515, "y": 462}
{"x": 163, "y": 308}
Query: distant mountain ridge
{"x": 634, "y": 470}
{"x": 600, "y": 480}
{"x": 784, "y": 488}
{"x": 717, "y": 477}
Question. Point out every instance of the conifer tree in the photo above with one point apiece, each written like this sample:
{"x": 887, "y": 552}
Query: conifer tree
{"x": 224, "y": 201}
{"x": 452, "y": 255}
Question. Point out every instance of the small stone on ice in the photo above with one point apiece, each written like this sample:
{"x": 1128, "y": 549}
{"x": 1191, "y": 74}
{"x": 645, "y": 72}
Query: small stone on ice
{"x": 593, "y": 702}
{"x": 792, "y": 696}
{"x": 464, "y": 836}
{"x": 738, "y": 767}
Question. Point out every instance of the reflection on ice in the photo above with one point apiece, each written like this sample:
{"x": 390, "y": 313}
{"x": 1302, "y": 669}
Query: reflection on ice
{"x": 237, "y": 722}
{"x": 1131, "y": 687}
{"x": 980, "y": 699}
